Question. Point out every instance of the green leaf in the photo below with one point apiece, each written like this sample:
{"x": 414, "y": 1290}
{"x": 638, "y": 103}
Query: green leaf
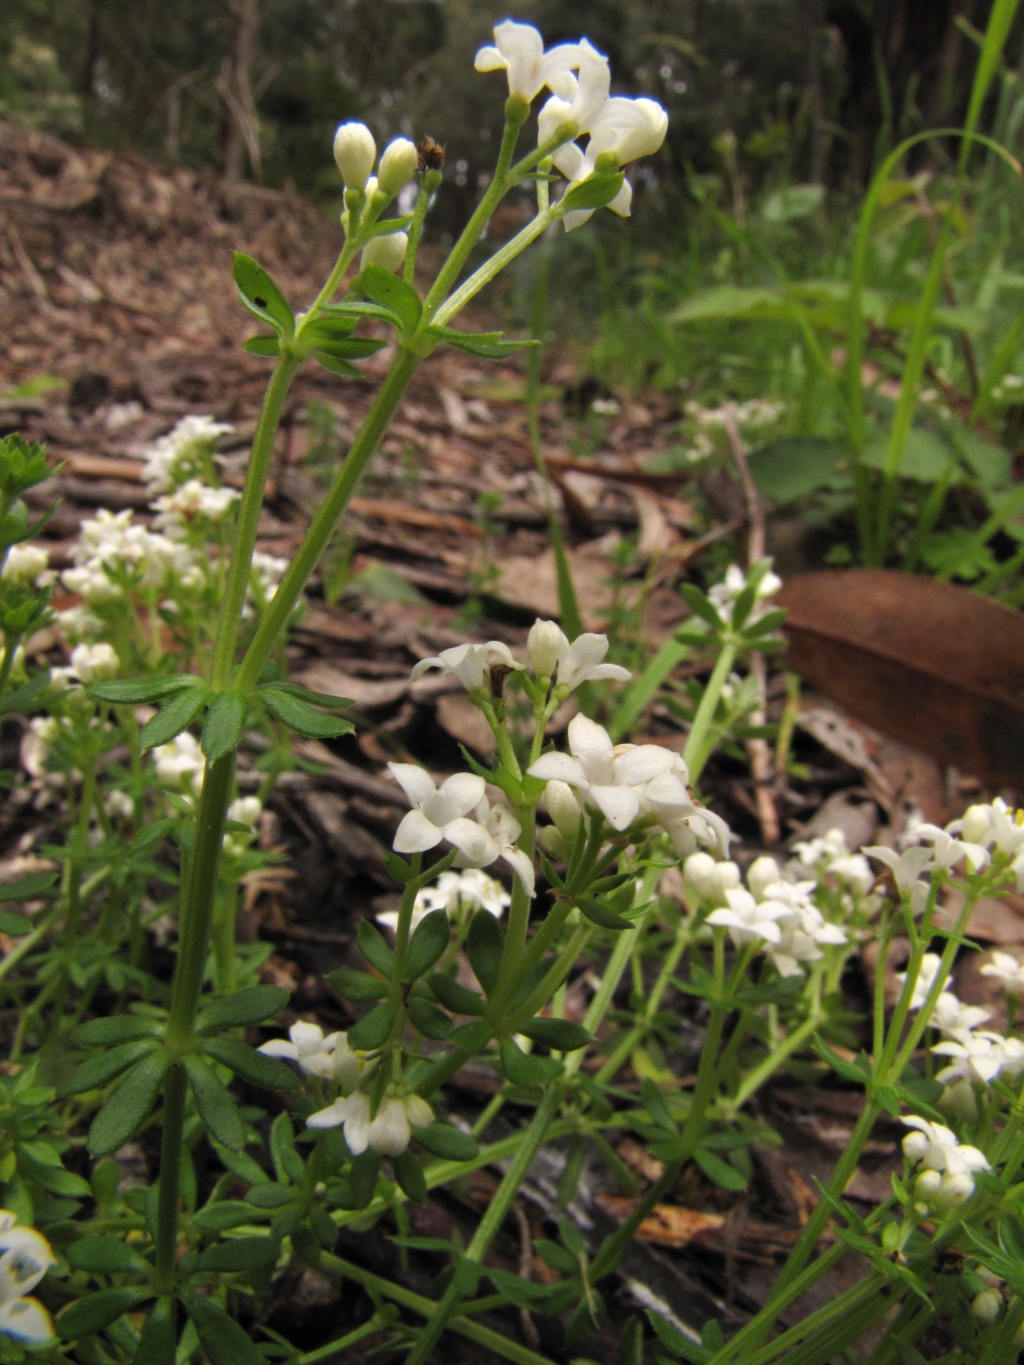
{"x": 240, "y": 1253}
{"x": 409, "y": 1174}
{"x": 261, "y": 296}
{"x": 673, "y": 1340}
{"x": 251, "y": 1006}
{"x": 701, "y": 605}
{"x": 561, "y": 1035}
{"x": 358, "y": 987}
{"x": 487, "y": 345}
{"x": 224, "y": 1342}
{"x": 363, "y": 308}
{"x": 428, "y": 943}
{"x": 28, "y": 697}
{"x": 600, "y": 914}
{"x": 326, "y": 700}
{"x": 158, "y": 1340}
{"x": 121, "y": 1028}
{"x": 98, "y": 1310}
{"x": 105, "y": 1067}
{"x": 595, "y": 192}
{"x": 472, "y": 1037}
{"x": 129, "y": 1106}
{"x": 654, "y": 1103}
{"x": 442, "y": 1140}
{"x": 136, "y": 691}
{"x": 105, "y": 1256}
{"x": 485, "y": 944}
{"x": 226, "y": 1213}
{"x": 300, "y": 716}
{"x": 14, "y": 925}
{"x": 796, "y": 466}
{"x": 365, "y": 1170}
{"x": 557, "y": 1257}
{"x": 397, "y": 868}
{"x": 176, "y": 716}
{"x": 217, "y": 1109}
{"x": 455, "y": 997}
{"x": 55, "y": 1180}
{"x": 33, "y": 887}
{"x": 719, "y": 1172}
{"x": 254, "y": 1067}
{"x": 270, "y": 1196}
{"x": 925, "y": 457}
{"x": 224, "y": 724}
{"x": 390, "y": 292}
{"x": 374, "y": 1028}
{"x": 849, "y": 1071}
{"x": 792, "y": 202}
{"x": 431, "y": 1022}
{"x": 263, "y": 345}
{"x": 336, "y": 366}
{"x": 523, "y": 1069}
{"x": 384, "y": 227}
{"x": 374, "y": 948}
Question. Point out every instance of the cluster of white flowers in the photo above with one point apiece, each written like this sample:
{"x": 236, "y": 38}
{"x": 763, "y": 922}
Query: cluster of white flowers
{"x": 458, "y": 893}
{"x": 388, "y": 1132}
{"x": 264, "y": 580}
{"x": 627, "y": 781}
{"x": 112, "y": 553}
{"x": 245, "y": 810}
{"x": 724, "y": 595}
{"x": 828, "y": 856}
{"x": 180, "y": 764}
{"x": 619, "y": 130}
{"x": 182, "y": 452}
{"x": 944, "y": 853}
{"x": 778, "y": 915}
{"x": 947, "y": 1166}
{"x": 552, "y": 655}
{"x": 190, "y": 503}
{"x": 757, "y": 412}
{"x": 28, "y": 564}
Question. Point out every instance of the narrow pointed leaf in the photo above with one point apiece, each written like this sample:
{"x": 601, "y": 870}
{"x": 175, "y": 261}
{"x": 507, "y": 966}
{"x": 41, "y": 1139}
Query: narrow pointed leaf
{"x": 217, "y": 1109}
{"x": 224, "y": 724}
{"x": 137, "y": 691}
{"x": 176, "y": 716}
{"x": 485, "y": 944}
{"x": 261, "y": 296}
{"x": 391, "y": 292}
{"x": 255, "y": 1067}
{"x": 129, "y": 1106}
{"x": 251, "y": 1006}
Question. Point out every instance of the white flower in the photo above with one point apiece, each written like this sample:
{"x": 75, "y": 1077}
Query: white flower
{"x": 810, "y": 852}
{"x": 930, "y": 964}
{"x": 388, "y": 1132}
{"x": 545, "y": 644}
{"x": 181, "y": 762}
{"x": 78, "y": 623}
{"x": 1005, "y": 968}
{"x": 264, "y": 577}
{"x": 469, "y": 890}
{"x": 762, "y": 873}
{"x": 434, "y": 810}
{"x": 179, "y": 452}
{"x": 118, "y": 805}
{"x": 500, "y": 830}
{"x": 747, "y": 920}
{"x": 936, "y": 1148}
{"x": 581, "y": 661}
{"x": 355, "y": 152}
{"x": 388, "y": 251}
{"x": 398, "y": 164}
{"x": 986, "y": 1307}
{"x": 94, "y": 663}
{"x": 192, "y": 500}
{"x": 24, "y": 563}
{"x": 519, "y": 50}
{"x": 470, "y": 663}
{"x": 952, "y": 1016}
{"x": 948, "y": 851}
{"x": 25, "y": 1260}
{"x": 328, "y": 1057}
{"x": 996, "y": 823}
{"x": 561, "y": 804}
{"x": 246, "y": 810}
{"x": 906, "y": 866}
{"x": 609, "y": 775}
{"x": 980, "y": 1057}
{"x": 577, "y": 100}
{"x": 853, "y": 871}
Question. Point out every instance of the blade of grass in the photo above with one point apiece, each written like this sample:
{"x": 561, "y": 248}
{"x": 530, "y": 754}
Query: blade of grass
{"x": 997, "y": 31}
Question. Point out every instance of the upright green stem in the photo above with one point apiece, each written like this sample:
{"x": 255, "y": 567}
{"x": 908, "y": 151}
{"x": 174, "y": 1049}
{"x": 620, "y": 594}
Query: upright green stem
{"x": 698, "y": 751}
{"x": 249, "y": 519}
{"x": 281, "y": 606}
{"x": 173, "y": 1118}
{"x": 532, "y": 1140}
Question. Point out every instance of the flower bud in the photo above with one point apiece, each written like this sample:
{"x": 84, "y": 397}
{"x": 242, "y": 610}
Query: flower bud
{"x": 398, "y": 165}
{"x": 762, "y": 873}
{"x": 94, "y": 663}
{"x": 958, "y": 1103}
{"x": 544, "y": 642}
{"x": 927, "y": 1185}
{"x": 387, "y": 252}
{"x": 956, "y": 1189}
{"x": 987, "y": 1306}
{"x": 726, "y": 876}
{"x": 355, "y": 152}
{"x": 699, "y": 872}
{"x": 552, "y": 843}
{"x": 561, "y": 804}
{"x": 915, "y": 1145}
{"x": 975, "y": 825}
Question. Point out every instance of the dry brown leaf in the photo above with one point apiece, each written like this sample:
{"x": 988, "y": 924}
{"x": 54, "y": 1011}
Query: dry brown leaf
{"x": 529, "y": 581}
{"x": 324, "y": 677}
{"x": 639, "y": 1160}
{"x": 669, "y": 1224}
{"x": 466, "y": 723}
{"x": 934, "y": 665}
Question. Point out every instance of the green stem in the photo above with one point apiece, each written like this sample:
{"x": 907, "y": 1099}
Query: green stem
{"x": 495, "y": 264}
{"x": 280, "y": 608}
{"x": 698, "y": 751}
{"x": 465, "y": 1327}
{"x": 552, "y": 978}
{"x": 10, "y": 649}
{"x": 419, "y": 213}
{"x": 249, "y": 518}
{"x": 348, "y": 254}
{"x": 334, "y": 1348}
{"x": 173, "y": 1118}
{"x": 531, "y": 1142}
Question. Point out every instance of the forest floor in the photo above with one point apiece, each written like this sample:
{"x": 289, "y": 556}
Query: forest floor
{"x": 119, "y": 317}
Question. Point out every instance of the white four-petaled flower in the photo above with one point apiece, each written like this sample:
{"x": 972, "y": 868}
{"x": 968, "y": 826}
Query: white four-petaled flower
{"x": 519, "y": 50}
{"x": 388, "y": 1132}
{"x": 1005, "y": 968}
{"x": 470, "y": 663}
{"x": 328, "y": 1057}
{"x": 434, "y": 810}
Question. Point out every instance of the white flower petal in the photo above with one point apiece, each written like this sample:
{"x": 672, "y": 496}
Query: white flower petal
{"x": 415, "y": 781}
{"x": 456, "y": 796}
{"x": 523, "y": 867}
{"x": 416, "y": 834}
{"x": 279, "y": 1047}
{"x": 559, "y": 768}
{"x": 475, "y": 845}
{"x": 26, "y": 1320}
{"x": 619, "y": 805}
{"x": 642, "y": 763}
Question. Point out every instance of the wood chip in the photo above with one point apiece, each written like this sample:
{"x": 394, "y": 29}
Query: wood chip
{"x": 668, "y": 1225}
